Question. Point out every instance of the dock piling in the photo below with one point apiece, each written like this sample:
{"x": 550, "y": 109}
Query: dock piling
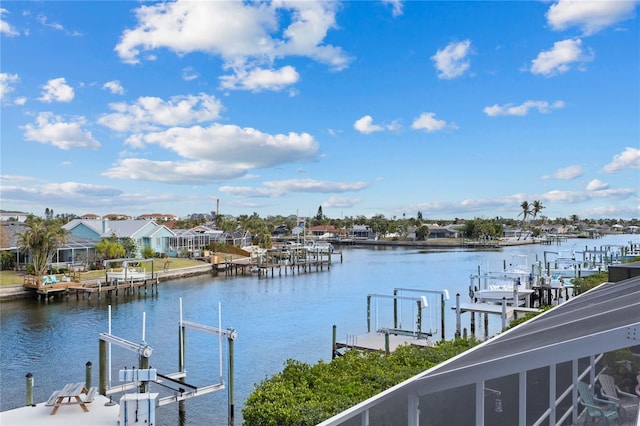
{"x": 87, "y": 379}
{"x": 333, "y": 342}
{"x": 458, "y": 315}
{"x": 29, "y": 378}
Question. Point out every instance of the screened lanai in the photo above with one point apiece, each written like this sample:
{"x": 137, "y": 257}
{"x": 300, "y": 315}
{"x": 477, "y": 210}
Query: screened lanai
{"x": 524, "y": 376}
{"x": 75, "y": 250}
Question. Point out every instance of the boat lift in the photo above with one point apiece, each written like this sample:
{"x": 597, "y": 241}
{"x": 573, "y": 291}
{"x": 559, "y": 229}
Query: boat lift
{"x": 421, "y": 303}
{"x": 444, "y": 296}
{"x": 140, "y": 378}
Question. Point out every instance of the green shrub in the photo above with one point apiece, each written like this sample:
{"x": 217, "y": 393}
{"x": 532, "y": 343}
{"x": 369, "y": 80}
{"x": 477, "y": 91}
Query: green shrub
{"x": 582, "y": 284}
{"x": 306, "y": 395}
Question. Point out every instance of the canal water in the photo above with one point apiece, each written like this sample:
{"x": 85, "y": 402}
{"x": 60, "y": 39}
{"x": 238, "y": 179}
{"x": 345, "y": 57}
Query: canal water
{"x": 288, "y": 316}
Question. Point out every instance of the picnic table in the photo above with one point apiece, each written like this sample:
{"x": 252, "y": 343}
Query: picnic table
{"x": 72, "y": 394}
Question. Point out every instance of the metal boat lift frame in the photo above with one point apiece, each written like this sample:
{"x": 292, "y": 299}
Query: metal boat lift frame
{"x": 184, "y": 390}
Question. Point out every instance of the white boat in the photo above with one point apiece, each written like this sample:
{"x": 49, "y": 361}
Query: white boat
{"x": 513, "y": 291}
{"x": 567, "y": 265}
{"x": 321, "y": 246}
{"x": 514, "y": 284}
{"x": 127, "y": 274}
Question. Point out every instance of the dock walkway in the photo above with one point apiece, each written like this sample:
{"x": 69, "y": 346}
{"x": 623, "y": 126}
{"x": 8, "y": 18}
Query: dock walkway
{"x": 279, "y": 262}
{"x": 380, "y": 341}
{"x": 100, "y": 414}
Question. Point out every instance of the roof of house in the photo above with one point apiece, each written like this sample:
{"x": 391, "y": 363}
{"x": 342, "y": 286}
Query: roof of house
{"x": 90, "y": 216}
{"x": 119, "y": 228}
{"x": 322, "y": 228}
{"x": 9, "y": 234}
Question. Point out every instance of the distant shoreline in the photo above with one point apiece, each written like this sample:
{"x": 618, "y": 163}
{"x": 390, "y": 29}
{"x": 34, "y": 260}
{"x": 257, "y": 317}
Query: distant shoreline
{"x": 438, "y": 243}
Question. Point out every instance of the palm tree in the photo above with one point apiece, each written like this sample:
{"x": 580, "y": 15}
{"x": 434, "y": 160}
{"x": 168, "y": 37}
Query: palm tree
{"x": 537, "y": 208}
{"x": 41, "y": 240}
{"x": 526, "y": 211}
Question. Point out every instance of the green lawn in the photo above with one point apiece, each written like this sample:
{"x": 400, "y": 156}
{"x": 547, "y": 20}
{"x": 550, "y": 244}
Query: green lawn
{"x": 16, "y": 278}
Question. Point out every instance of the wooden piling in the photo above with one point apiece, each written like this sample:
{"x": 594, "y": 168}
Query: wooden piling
{"x": 29, "y": 379}
{"x": 102, "y": 385}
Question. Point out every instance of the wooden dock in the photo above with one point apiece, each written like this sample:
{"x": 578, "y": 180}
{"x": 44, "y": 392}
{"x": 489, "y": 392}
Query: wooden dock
{"x": 280, "y": 262}
{"x": 506, "y": 313}
{"x": 66, "y": 288}
{"x": 379, "y": 341}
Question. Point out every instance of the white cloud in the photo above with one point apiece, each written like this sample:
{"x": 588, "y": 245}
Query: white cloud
{"x": 150, "y": 113}
{"x": 452, "y": 61}
{"x": 570, "y": 172}
{"x": 365, "y": 125}
{"x": 396, "y": 6}
{"x": 628, "y": 159}
{"x": 590, "y": 16}
{"x": 233, "y": 144}
{"x": 313, "y": 185}
{"x": 557, "y": 196}
{"x": 340, "y": 202}
{"x": 188, "y": 74}
{"x": 175, "y": 172}
{"x": 284, "y": 187}
{"x": 558, "y": 60}
{"x": 613, "y": 211}
{"x": 215, "y": 153}
{"x": 621, "y": 193}
{"x": 114, "y": 87}
{"x": 522, "y": 109}
{"x": 62, "y": 192}
{"x": 428, "y": 122}
{"x": 257, "y": 79}
{"x": 6, "y": 28}
{"x": 597, "y": 185}
{"x": 65, "y": 135}
{"x": 57, "y": 90}
{"x": 16, "y": 178}
{"x": 6, "y": 84}
{"x": 44, "y": 21}
{"x": 247, "y": 35}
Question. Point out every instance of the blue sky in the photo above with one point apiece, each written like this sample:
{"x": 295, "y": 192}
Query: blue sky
{"x": 454, "y": 109}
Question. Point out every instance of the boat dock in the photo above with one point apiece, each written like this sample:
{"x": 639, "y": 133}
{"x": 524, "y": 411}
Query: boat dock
{"x": 115, "y": 287}
{"x": 66, "y": 288}
{"x": 101, "y": 413}
{"x": 506, "y": 313}
{"x": 279, "y": 261}
{"x": 379, "y": 341}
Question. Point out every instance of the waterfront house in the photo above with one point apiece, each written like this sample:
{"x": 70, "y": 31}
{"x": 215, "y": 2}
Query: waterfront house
{"x": 9, "y": 231}
{"x": 75, "y": 249}
{"x": 280, "y": 231}
{"x": 326, "y": 231}
{"x": 239, "y": 238}
{"x": 193, "y": 240}
{"x": 361, "y": 232}
{"x": 145, "y": 233}
{"x": 436, "y": 231}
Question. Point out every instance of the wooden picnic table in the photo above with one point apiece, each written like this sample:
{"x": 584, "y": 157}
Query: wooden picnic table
{"x": 72, "y": 394}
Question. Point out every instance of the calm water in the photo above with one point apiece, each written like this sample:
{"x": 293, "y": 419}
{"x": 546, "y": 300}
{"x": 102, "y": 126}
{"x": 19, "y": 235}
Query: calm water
{"x": 276, "y": 319}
